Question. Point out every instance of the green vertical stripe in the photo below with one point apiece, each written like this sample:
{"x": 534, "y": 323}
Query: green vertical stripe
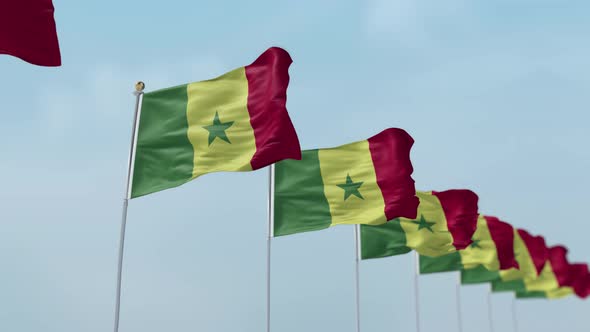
{"x": 164, "y": 156}
{"x": 383, "y": 240}
{"x": 508, "y": 286}
{"x": 531, "y": 295}
{"x": 446, "y": 263}
{"x": 300, "y": 203}
{"x": 478, "y": 275}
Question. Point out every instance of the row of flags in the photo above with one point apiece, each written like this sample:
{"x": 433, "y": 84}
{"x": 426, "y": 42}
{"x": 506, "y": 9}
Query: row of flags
{"x": 239, "y": 122}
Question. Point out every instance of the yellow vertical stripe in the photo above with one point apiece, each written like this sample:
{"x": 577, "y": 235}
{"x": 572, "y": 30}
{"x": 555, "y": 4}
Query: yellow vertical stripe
{"x": 352, "y": 164}
{"x": 559, "y": 293}
{"x": 545, "y": 282}
{"x": 525, "y": 262}
{"x": 483, "y": 251}
{"x": 428, "y": 234}
{"x": 224, "y": 142}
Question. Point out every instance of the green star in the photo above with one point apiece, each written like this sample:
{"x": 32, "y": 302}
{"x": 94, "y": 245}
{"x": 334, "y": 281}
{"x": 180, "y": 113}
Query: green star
{"x": 351, "y": 188}
{"x": 423, "y": 223}
{"x": 217, "y": 129}
{"x": 475, "y": 244}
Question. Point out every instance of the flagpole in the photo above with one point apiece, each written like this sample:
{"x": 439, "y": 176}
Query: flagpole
{"x": 416, "y": 290}
{"x": 491, "y": 319}
{"x": 357, "y": 277}
{"x": 139, "y": 86}
{"x": 271, "y": 181}
{"x": 514, "y": 316}
{"x": 458, "y": 296}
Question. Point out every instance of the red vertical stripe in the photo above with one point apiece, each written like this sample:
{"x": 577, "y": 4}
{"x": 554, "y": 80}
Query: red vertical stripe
{"x": 27, "y": 31}
{"x": 586, "y": 285}
{"x": 460, "y": 208}
{"x": 579, "y": 279}
{"x": 560, "y": 265}
{"x": 503, "y": 237}
{"x": 537, "y": 249}
{"x": 390, "y": 151}
{"x": 268, "y": 79}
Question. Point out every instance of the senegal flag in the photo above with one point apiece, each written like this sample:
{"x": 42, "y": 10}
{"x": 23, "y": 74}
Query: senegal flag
{"x": 445, "y": 223}
{"x": 577, "y": 282}
{"x": 479, "y": 274}
{"x": 235, "y": 122}
{"x": 367, "y": 182}
{"x": 554, "y": 281}
{"x": 530, "y": 254}
{"x": 492, "y": 249}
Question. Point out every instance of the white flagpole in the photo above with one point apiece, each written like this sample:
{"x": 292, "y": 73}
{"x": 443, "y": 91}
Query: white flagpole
{"x": 490, "y": 317}
{"x": 357, "y": 254}
{"x": 139, "y": 86}
{"x": 271, "y": 192}
{"x": 458, "y": 295}
{"x": 514, "y": 316}
{"x": 416, "y": 290}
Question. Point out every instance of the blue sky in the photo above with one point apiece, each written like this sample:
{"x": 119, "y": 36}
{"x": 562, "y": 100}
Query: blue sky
{"x": 494, "y": 93}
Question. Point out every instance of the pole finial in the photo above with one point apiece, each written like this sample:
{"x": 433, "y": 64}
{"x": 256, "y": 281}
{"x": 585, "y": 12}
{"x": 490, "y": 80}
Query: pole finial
{"x": 139, "y": 86}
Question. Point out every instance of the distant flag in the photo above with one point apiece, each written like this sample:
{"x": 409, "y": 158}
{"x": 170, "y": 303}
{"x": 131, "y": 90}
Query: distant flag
{"x": 555, "y": 279}
{"x": 536, "y": 248}
{"x": 235, "y": 122}
{"x": 492, "y": 250}
{"x": 504, "y": 238}
{"x": 531, "y": 254}
{"x": 548, "y": 282}
{"x": 445, "y": 223}
{"x": 27, "y": 31}
{"x": 366, "y": 182}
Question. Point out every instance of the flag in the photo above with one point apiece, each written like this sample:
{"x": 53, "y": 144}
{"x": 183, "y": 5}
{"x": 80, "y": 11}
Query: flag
{"x": 445, "y": 223}
{"x": 531, "y": 255}
{"x": 28, "y": 32}
{"x": 491, "y": 251}
{"x": 367, "y": 182}
{"x": 235, "y": 122}
{"x": 504, "y": 239}
{"x": 555, "y": 278}
{"x": 545, "y": 280}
